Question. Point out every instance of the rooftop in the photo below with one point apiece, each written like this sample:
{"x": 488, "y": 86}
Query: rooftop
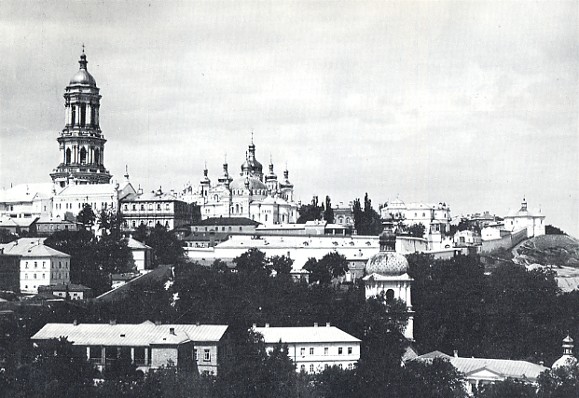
{"x": 142, "y": 334}
{"x": 225, "y": 221}
{"x": 305, "y": 334}
{"x": 31, "y": 247}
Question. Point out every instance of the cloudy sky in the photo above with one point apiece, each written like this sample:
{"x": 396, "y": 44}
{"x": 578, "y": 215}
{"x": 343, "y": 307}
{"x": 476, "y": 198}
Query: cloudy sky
{"x": 470, "y": 103}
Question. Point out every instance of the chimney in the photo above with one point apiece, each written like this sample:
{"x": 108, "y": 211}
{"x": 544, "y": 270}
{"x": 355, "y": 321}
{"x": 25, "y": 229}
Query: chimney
{"x": 157, "y": 323}
{"x": 267, "y": 325}
{"x": 456, "y": 353}
{"x": 113, "y": 322}
{"x": 197, "y": 323}
{"x": 315, "y": 324}
{"x": 327, "y": 324}
{"x": 172, "y": 331}
{"x": 254, "y": 325}
{"x": 75, "y": 322}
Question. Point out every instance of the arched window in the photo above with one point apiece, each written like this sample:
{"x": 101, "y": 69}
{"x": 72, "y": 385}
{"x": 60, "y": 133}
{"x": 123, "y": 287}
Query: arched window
{"x": 82, "y": 115}
{"x": 83, "y": 155}
{"x": 97, "y": 156}
{"x": 237, "y": 208}
{"x": 73, "y": 115}
{"x": 67, "y": 156}
{"x": 93, "y": 116}
{"x": 389, "y": 295}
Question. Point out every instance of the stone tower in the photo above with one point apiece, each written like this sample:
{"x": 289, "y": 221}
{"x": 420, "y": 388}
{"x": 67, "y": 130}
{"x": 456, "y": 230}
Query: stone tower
{"x": 81, "y": 142}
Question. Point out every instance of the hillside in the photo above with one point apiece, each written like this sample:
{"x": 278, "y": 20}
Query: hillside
{"x": 554, "y": 250}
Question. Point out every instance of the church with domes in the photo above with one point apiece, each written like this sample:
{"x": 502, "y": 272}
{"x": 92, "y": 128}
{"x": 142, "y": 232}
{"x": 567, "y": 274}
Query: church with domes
{"x": 256, "y": 195}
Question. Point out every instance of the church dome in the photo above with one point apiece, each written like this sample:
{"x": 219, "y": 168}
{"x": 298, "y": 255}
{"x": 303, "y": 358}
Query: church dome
{"x": 82, "y": 76}
{"x": 568, "y": 359}
{"x": 387, "y": 264}
{"x": 254, "y": 184}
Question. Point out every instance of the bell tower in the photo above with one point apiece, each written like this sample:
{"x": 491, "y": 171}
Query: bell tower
{"x": 81, "y": 142}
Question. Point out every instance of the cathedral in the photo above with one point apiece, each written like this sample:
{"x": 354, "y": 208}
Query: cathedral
{"x": 254, "y": 195}
{"x": 81, "y": 142}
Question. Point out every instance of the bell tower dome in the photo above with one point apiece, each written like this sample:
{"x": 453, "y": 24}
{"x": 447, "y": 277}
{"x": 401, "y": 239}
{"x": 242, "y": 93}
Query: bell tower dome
{"x": 81, "y": 142}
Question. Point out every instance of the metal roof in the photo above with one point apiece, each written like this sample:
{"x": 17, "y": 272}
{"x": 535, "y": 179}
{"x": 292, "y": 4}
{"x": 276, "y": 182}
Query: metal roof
{"x": 143, "y": 334}
{"x": 31, "y": 247}
{"x": 305, "y": 334}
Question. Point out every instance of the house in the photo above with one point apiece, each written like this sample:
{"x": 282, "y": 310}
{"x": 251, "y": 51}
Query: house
{"x": 26, "y": 201}
{"x": 142, "y": 254}
{"x": 467, "y": 238}
{"x": 19, "y": 226}
{"x": 74, "y": 291}
{"x": 481, "y": 371}
{"x": 314, "y": 348}
{"x": 149, "y": 345}
{"x": 533, "y": 222}
{"x": 40, "y": 265}
{"x": 46, "y": 226}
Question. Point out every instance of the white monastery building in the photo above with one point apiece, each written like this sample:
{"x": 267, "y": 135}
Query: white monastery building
{"x": 534, "y": 222}
{"x": 314, "y": 348}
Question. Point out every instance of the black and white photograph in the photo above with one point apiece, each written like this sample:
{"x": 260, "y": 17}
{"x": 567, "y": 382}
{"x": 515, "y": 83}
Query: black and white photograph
{"x": 289, "y": 198}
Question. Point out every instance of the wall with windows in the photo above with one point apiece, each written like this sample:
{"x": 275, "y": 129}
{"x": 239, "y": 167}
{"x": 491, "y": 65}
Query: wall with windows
{"x": 43, "y": 271}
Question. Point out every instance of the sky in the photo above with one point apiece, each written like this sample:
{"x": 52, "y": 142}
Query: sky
{"x": 471, "y": 103}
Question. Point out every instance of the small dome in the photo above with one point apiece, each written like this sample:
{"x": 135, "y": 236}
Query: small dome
{"x": 254, "y": 183}
{"x": 387, "y": 263}
{"x": 83, "y": 77}
{"x": 566, "y": 361}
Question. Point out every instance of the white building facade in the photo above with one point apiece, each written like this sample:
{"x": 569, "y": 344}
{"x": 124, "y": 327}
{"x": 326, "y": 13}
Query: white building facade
{"x": 534, "y": 222}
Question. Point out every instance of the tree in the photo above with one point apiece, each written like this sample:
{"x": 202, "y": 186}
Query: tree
{"x": 167, "y": 249}
{"x": 332, "y": 265}
{"x": 366, "y": 221}
{"x": 282, "y": 265}
{"x": 310, "y": 212}
{"x": 553, "y": 230}
{"x": 328, "y": 211}
{"x": 86, "y": 216}
{"x": 6, "y": 236}
{"x": 252, "y": 262}
{"x": 416, "y": 230}
{"x": 559, "y": 383}
{"x": 435, "y": 379}
{"x": 507, "y": 388}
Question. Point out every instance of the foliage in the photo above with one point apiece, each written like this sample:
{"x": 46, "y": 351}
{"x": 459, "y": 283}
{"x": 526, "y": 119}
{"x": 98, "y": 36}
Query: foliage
{"x": 416, "y": 230}
{"x": 366, "y": 221}
{"x": 332, "y": 265}
{"x": 282, "y": 265}
{"x": 6, "y": 236}
{"x": 92, "y": 260}
{"x": 437, "y": 378}
{"x": 86, "y": 216}
{"x": 167, "y": 249}
{"x": 310, "y": 212}
{"x": 328, "y": 211}
{"x": 507, "y": 388}
{"x": 252, "y": 262}
{"x": 553, "y": 230}
{"x": 559, "y": 383}
{"x": 111, "y": 222}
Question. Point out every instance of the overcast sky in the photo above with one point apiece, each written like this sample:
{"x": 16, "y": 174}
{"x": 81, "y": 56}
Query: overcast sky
{"x": 470, "y": 103}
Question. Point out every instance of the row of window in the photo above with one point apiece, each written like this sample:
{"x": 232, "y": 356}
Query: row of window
{"x": 60, "y": 275}
{"x": 149, "y": 223}
{"x": 142, "y": 207}
{"x": 326, "y": 351}
{"x": 80, "y": 205}
{"x": 312, "y": 367}
{"x": 44, "y": 265}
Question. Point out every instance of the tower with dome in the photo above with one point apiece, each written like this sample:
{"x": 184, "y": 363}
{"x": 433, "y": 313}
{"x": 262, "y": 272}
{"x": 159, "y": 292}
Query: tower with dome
{"x": 254, "y": 195}
{"x": 81, "y": 142}
{"x": 567, "y": 360}
{"x": 387, "y": 273}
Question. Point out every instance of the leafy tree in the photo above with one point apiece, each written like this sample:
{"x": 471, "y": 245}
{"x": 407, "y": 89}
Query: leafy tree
{"x": 219, "y": 266}
{"x": 252, "y": 261}
{"x": 559, "y": 383}
{"x": 436, "y": 379}
{"x": 141, "y": 233}
{"x": 332, "y": 265}
{"x": 310, "y": 212}
{"x": 416, "y": 230}
{"x": 6, "y": 236}
{"x": 553, "y": 230}
{"x": 367, "y": 220}
{"x": 328, "y": 211}
{"x": 167, "y": 249}
{"x": 507, "y": 388}
{"x": 281, "y": 264}
{"x": 86, "y": 216}
{"x": 111, "y": 223}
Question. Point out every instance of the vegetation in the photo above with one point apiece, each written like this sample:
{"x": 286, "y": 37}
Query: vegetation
{"x": 367, "y": 220}
{"x": 167, "y": 249}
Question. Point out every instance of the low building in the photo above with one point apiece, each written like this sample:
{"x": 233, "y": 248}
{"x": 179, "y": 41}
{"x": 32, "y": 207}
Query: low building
{"x": 46, "y": 226}
{"x": 467, "y": 238}
{"x": 148, "y": 345}
{"x": 483, "y": 371}
{"x": 26, "y": 201}
{"x": 314, "y": 348}
{"x": 418, "y": 213}
{"x": 19, "y": 226}
{"x": 156, "y": 207}
{"x": 40, "y": 265}
{"x": 142, "y": 254}
{"x": 534, "y": 222}
{"x": 118, "y": 280}
{"x": 71, "y": 291}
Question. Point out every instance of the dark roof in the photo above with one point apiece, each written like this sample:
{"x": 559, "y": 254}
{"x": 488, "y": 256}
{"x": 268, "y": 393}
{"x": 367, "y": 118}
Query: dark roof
{"x": 72, "y": 287}
{"x": 219, "y": 221}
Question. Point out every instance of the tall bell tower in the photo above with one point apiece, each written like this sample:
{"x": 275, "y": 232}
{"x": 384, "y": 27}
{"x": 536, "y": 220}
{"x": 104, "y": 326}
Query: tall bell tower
{"x": 81, "y": 142}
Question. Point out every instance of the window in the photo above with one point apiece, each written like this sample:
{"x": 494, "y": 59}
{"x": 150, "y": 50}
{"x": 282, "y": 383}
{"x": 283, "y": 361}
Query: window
{"x": 158, "y": 206}
{"x": 195, "y": 354}
{"x": 326, "y": 350}
{"x": 206, "y": 355}
{"x": 340, "y": 350}
{"x": 34, "y": 276}
{"x": 302, "y": 351}
{"x": 349, "y": 350}
{"x": 340, "y": 366}
{"x": 326, "y": 366}
{"x": 311, "y": 368}
{"x": 126, "y": 207}
{"x": 139, "y": 355}
{"x": 303, "y": 368}
{"x": 44, "y": 264}
{"x": 43, "y": 276}
{"x": 311, "y": 350}
{"x": 59, "y": 264}
{"x": 349, "y": 366}
{"x": 35, "y": 265}
{"x": 26, "y": 277}
{"x": 26, "y": 265}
